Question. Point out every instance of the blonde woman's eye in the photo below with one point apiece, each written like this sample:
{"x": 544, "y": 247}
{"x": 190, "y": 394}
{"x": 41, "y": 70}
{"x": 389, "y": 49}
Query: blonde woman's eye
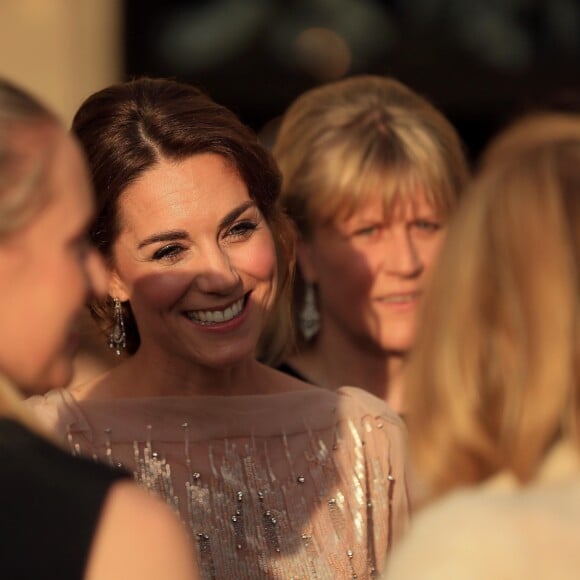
{"x": 83, "y": 247}
{"x": 427, "y": 225}
{"x": 367, "y": 231}
{"x": 80, "y": 247}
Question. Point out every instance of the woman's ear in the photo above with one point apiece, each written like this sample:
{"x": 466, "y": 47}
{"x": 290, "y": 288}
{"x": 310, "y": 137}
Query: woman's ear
{"x": 117, "y": 288}
{"x": 304, "y": 257}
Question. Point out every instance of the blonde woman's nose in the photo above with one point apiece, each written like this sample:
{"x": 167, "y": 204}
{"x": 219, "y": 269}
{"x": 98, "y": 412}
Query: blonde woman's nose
{"x": 402, "y": 256}
{"x": 97, "y": 274}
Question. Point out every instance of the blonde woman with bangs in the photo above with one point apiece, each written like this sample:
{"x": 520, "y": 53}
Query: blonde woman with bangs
{"x": 494, "y": 379}
{"x": 371, "y": 172}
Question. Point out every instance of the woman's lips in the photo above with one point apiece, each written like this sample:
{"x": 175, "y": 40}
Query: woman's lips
{"x": 220, "y": 317}
{"x": 401, "y": 300}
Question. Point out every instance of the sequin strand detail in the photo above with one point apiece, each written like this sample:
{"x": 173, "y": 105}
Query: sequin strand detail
{"x": 272, "y": 508}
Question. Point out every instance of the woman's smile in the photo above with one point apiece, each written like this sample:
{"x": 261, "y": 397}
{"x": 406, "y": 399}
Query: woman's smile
{"x": 219, "y": 316}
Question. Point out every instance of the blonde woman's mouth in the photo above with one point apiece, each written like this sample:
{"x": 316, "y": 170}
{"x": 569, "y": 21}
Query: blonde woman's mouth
{"x": 401, "y": 300}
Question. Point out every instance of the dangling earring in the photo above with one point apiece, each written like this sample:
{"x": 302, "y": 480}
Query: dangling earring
{"x": 309, "y": 315}
{"x": 118, "y": 338}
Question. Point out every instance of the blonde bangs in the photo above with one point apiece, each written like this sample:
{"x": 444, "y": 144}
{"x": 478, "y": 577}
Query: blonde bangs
{"x": 346, "y": 174}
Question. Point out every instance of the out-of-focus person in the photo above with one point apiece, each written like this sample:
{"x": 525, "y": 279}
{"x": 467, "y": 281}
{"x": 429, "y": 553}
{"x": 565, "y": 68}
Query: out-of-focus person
{"x": 62, "y": 517}
{"x": 494, "y": 378}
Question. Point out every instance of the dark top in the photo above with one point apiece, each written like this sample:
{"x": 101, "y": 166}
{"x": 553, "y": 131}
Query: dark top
{"x": 50, "y": 503}
{"x": 290, "y": 370}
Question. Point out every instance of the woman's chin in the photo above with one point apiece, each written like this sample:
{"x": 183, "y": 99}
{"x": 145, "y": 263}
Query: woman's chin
{"x": 58, "y": 376}
{"x": 225, "y": 359}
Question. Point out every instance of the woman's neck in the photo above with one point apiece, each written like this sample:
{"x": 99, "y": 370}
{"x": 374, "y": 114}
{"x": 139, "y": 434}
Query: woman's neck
{"x": 333, "y": 361}
{"x": 144, "y": 375}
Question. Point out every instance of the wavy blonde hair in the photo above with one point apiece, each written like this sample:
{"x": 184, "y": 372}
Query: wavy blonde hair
{"x": 347, "y": 141}
{"x": 494, "y": 377}
{"x": 21, "y": 197}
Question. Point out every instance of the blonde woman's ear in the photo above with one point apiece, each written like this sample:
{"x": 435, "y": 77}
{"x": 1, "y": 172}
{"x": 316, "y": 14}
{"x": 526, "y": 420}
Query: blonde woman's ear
{"x": 305, "y": 262}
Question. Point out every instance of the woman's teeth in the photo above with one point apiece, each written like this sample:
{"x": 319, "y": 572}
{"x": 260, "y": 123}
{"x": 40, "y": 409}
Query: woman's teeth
{"x": 216, "y": 316}
{"x": 401, "y": 298}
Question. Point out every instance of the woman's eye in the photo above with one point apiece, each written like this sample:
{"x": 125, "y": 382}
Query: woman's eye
{"x": 241, "y": 229}
{"x": 427, "y": 225}
{"x": 167, "y": 252}
{"x": 367, "y": 231}
{"x": 81, "y": 248}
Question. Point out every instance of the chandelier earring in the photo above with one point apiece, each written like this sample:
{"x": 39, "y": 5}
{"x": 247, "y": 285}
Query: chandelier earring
{"x": 117, "y": 337}
{"x": 309, "y": 315}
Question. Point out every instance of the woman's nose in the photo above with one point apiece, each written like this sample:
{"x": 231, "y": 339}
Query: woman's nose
{"x": 97, "y": 274}
{"x": 402, "y": 257}
{"x": 215, "y": 273}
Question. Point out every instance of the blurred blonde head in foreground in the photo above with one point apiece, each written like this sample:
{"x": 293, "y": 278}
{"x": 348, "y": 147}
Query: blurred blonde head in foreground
{"x": 80, "y": 518}
{"x": 494, "y": 382}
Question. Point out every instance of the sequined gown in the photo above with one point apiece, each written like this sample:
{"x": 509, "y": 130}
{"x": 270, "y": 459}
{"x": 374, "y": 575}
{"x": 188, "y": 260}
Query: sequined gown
{"x": 300, "y": 484}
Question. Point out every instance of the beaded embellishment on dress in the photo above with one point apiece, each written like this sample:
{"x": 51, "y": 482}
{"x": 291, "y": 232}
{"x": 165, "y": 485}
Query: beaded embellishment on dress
{"x": 309, "y": 502}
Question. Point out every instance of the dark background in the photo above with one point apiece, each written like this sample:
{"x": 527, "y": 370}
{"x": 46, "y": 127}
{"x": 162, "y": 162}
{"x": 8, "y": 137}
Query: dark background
{"x": 482, "y": 62}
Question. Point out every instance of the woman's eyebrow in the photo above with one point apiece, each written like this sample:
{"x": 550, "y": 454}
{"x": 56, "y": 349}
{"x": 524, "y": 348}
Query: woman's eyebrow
{"x": 235, "y": 213}
{"x": 177, "y": 235}
{"x": 170, "y": 236}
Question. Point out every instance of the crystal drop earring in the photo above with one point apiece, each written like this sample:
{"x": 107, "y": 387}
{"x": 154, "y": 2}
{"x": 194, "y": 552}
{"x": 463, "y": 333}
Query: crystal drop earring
{"x": 309, "y": 315}
{"x": 117, "y": 337}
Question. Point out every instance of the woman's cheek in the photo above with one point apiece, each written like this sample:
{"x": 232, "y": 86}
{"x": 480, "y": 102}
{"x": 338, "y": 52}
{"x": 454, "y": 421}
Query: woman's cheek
{"x": 258, "y": 259}
{"x": 161, "y": 289}
{"x": 432, "y": 248}
{"x": 356, "y": 266}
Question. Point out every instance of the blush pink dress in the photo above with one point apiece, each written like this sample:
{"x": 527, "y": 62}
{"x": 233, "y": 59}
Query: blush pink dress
{"x": 300, "y": 484}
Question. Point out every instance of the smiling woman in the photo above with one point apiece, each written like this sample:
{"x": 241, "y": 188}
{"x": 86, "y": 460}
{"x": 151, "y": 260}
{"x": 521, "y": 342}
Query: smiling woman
{"x": 217, "y": 240}
{"x": 275, "y": 478}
